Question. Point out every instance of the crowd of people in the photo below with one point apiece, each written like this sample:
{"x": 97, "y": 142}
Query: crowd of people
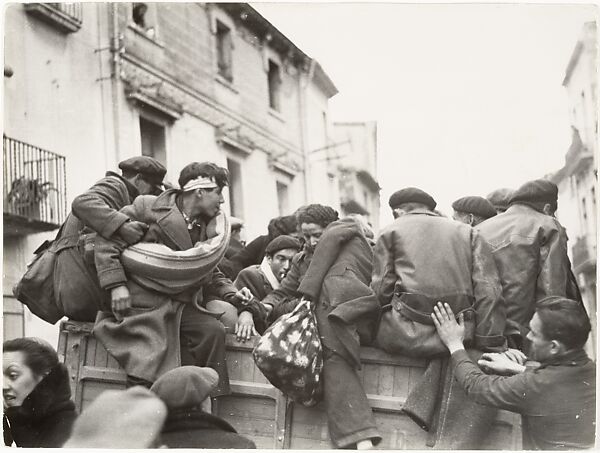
{"x": 163, "y": 274}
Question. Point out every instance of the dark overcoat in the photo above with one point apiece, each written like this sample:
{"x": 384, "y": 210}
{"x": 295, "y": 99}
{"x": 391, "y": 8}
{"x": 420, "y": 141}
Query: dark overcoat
{"x": 194, "y": 428}
{"x": 76, "y": 289}
{"x": 146, "y": 343}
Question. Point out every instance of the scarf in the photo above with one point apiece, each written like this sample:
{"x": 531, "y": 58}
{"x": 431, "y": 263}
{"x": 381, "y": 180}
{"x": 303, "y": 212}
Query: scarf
{"x": 265, "y": 268}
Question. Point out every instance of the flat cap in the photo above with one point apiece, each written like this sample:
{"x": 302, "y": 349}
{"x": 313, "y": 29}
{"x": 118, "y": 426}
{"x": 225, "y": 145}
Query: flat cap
{"x": 185, "y": 386}
{"x": 500, "y": 198}
{"x": 283, "y": 242}
{"x": 475, "y": 205}
{"x": 536, "y": 190}
{"x": 411, "y": 195}
{"x": 152, "y": 169}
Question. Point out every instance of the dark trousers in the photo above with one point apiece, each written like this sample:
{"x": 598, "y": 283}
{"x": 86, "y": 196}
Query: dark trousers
{"x": 203, "y": 344}
{"x": 348, "y": 412}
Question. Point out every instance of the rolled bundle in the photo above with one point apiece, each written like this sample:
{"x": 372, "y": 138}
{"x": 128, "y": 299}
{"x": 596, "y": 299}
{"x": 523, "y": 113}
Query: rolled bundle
{"x": 157, "y": 267}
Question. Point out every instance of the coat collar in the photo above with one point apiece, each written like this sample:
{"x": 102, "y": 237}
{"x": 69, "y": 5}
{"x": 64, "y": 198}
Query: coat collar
{"x": 170, "y": 219}
{"x": 575, "y": 357}
{"x": 266, "y": 270}
{"x": 194, "y": 418}
{"x": 51, "y": 395}
{"x": 133, "y": 192}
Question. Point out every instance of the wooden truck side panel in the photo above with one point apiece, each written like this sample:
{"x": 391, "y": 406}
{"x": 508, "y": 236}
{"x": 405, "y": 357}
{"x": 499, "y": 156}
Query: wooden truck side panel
{"x": 261, "y": 412}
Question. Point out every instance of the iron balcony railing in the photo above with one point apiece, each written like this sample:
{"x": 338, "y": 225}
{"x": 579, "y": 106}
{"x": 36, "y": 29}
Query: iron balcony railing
{"x": 34, "y": 182}
{"x": 73, "y": 10}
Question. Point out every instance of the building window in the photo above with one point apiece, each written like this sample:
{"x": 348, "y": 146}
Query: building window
{"x": 282, "y": 198}
{"x": 153, "y": 140}
{"x": 224, "y": 51}
{"x": 142, "y": 18}
{"x": 583, "y": 209}
{"x": 325, "y": 136}
{"x": 274, "y": 78}
{"x": 594, "y": 197}
{"x": 235, "y": 188}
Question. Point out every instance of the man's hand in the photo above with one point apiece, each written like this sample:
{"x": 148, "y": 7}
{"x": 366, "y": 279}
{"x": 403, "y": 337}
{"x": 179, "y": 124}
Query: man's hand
{"x": 501, "y": 363}
{"x": 132, "y": 231}
{"x": 244, "y": 328}
{"x": 451, "y": 333}
{"x": 244, "y": 295}
{"x": 120, "y": 301}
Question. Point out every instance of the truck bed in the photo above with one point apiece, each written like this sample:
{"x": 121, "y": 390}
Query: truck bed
{"x": 261, "y": 412}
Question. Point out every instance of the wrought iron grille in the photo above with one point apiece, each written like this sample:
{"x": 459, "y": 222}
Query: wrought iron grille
{"x": 73, "y": 10}
{"x": 34, "y": 182}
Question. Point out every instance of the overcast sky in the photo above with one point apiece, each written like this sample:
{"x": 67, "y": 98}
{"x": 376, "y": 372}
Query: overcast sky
{"x": 468, "y": 98}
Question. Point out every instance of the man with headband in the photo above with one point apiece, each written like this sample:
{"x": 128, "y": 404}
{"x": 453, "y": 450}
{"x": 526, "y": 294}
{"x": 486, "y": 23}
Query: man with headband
{"x": 150, "y": 332}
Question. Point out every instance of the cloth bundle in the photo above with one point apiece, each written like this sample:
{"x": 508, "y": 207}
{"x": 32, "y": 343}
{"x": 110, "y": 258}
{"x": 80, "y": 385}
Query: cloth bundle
{"x": 290, "y": 355}
{"x": 159, "y": 268}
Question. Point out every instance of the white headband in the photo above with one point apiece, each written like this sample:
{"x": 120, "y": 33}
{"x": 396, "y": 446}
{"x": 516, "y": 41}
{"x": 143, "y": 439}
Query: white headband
{"x": 200, "y": 182}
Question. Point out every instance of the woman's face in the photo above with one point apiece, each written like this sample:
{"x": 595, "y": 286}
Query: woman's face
{"x": 19, "y": 380}
{"x": 312, "y": 234}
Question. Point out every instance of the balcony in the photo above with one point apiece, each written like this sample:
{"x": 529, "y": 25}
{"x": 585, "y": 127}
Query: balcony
{"x": 34, "y": 197}
{"x": 67, "y": 17}
{"x": 583, "y": 258}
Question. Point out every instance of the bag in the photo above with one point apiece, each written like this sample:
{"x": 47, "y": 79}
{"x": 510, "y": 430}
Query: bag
{"x": 290, "y": 355}
{"x": 36, "y": 287}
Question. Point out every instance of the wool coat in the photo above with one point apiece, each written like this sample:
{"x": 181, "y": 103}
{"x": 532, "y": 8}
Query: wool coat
{"x": 46, "y": 417}
{"x": 530, "y": 250}
{"x": 557, "y": 401}
{"x": 422, "y": 258}
{"x": 336, "y": 278}
{"x": 146, "y": 343}
{"x": 253, "y": 278}
{"x": 76, "y": 289}
{"x": 194, "y": 428}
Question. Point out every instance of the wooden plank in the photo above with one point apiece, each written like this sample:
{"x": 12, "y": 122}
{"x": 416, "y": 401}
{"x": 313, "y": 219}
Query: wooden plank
{"x": 385, "y": 385}
{"x": 90, "y": 351}
{"x": 253, "y": 389}
{"x": 401, "y": 381}
{"x": 247, "y": 368}
{"x": 234, "y": 359}
{"x": 374, "y": 355}
{"x": 370, "y": 378}
{"x": 282, "y": 422}
{"x": 101, "y": 359}
{"x": 385, "y": 403}
{"x": 61, "y": 348}
{"x": 108, "y": 375}
{"x": 72, "y": 359}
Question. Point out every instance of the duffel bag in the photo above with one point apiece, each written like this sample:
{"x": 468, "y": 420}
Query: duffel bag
{"x": 290, "y": 355}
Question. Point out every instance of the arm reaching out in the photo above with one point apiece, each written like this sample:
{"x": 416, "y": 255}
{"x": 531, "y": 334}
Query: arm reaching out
{"x": 451, "y": 333}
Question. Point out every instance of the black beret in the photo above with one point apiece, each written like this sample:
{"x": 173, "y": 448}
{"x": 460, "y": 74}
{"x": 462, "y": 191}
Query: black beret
{"x": 500, "y": 198}
{"x": 537, "y": 190}
{"x": 411, "y": 195}
{"x": 475, "y": 205}
{"x": 282, "y": 242}
{"x": 149, "y": 167}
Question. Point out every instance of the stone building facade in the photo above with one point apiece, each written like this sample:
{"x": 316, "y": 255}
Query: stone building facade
{"x": 90, "y": 84}
{"x": 578, "y": 179}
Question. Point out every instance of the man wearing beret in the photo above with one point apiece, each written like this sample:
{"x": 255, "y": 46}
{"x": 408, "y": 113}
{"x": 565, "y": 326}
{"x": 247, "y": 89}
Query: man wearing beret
{"x": 500, "y": 199}
{"x": 419, "y": 259}
{"x": 263, "y": 278}
{"x": 472, "y": 210}
{"x": 530, "y": 249}
{"x": 96, "y": 211}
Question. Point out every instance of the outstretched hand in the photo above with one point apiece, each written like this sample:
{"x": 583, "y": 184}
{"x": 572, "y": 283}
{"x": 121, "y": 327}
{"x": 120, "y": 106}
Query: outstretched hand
{"x": 451, "y": 333}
